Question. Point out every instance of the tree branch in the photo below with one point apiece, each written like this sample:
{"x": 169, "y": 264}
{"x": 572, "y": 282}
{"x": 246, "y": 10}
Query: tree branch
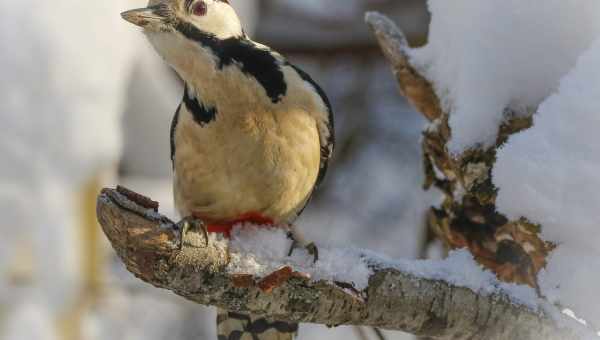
{"x": 147, "y": 242}
{"x": 413, "y": 85}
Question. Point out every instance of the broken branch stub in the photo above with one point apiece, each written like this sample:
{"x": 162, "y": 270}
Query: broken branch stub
{"x": 413, "y": 85}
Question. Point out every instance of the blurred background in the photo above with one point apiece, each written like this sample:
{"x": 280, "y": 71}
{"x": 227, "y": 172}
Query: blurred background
{"x": 85, "y": 103}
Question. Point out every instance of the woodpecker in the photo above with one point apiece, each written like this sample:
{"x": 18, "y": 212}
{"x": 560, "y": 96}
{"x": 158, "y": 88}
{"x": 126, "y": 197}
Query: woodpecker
{"x": 252, "y": 136}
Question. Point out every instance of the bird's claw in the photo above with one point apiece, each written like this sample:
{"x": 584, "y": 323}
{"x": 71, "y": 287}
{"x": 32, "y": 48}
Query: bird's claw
{"x": 311, "y": 248}
{"x": 190, "y": 223}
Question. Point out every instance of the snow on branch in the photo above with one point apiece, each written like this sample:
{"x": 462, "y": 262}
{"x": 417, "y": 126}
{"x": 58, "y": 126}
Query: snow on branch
{"x": 410, "y": 297}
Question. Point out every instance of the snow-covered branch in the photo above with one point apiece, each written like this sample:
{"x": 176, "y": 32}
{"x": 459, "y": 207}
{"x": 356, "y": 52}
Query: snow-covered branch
{"x": 504, "y": 172}
{"x": 393, "y": 298}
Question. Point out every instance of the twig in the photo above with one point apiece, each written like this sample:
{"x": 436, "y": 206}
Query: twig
{"x": 395, "y": 47}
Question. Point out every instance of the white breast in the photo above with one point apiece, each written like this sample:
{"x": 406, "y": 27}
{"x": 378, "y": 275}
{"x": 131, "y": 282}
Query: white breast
{"x": 250, "y": 161}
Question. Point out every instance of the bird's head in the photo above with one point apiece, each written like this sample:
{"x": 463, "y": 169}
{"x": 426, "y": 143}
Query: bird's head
{"x": 211, "y": 17}
{"x": 187, "y": 33}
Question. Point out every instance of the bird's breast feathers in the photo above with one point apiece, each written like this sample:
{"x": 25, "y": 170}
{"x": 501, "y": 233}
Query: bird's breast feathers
{"x": 264, "y": 162}
{"x": 253, "y": 134}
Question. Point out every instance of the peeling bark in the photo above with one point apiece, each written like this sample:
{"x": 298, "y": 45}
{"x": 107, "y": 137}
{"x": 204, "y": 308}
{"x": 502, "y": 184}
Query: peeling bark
{"x": 148, "y": 244}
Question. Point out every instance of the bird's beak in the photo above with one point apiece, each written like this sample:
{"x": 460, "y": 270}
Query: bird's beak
{"x": 144, "y": 17}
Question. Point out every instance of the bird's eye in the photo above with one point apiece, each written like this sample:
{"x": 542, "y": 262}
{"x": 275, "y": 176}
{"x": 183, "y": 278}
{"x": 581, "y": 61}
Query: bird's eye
{"x": 199, "y": 8}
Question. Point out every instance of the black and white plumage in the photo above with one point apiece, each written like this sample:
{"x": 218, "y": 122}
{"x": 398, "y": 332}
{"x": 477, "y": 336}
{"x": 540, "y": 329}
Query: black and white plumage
{"x": 253, "y": 135}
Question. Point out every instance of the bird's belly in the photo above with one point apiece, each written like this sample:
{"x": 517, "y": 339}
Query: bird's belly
{"x": 267, "y": 166}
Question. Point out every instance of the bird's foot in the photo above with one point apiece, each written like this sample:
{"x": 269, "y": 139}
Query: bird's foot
{"x": 191, "y": 223}
{"x": 311, "y": 248}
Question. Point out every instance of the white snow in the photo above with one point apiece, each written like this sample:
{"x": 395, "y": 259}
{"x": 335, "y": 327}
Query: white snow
{"x": 261, "y": 251}
{"x": 549, "y": 174}
{"x": 461, "y": 270}
{"x": 486, "y": 56}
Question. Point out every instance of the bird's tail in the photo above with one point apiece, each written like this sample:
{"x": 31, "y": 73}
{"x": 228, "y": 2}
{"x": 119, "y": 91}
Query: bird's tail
{"x": 237, "y": 326}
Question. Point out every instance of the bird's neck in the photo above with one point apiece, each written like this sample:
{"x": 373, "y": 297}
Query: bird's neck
{"x": 208, "y": 63}
{"x": 195, "y": 60}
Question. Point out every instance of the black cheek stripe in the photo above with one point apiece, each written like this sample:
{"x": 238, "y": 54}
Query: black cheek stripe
{"x": 253, "y": 61}
{"x": 202, "y": 114}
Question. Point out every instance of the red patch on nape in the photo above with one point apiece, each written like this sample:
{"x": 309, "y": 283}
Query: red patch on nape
{"x": 226, "y": 226}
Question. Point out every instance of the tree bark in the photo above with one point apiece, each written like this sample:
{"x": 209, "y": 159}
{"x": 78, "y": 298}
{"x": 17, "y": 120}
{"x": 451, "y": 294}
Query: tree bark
{"x": 148, "y": 244}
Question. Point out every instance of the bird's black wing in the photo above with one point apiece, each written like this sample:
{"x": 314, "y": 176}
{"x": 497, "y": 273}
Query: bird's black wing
{"x": 174, "y": 123}
{"x": 328, "y": 146}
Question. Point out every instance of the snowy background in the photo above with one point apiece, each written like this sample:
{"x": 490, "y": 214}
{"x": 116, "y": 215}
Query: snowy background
{"x": 86, "y": 103}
